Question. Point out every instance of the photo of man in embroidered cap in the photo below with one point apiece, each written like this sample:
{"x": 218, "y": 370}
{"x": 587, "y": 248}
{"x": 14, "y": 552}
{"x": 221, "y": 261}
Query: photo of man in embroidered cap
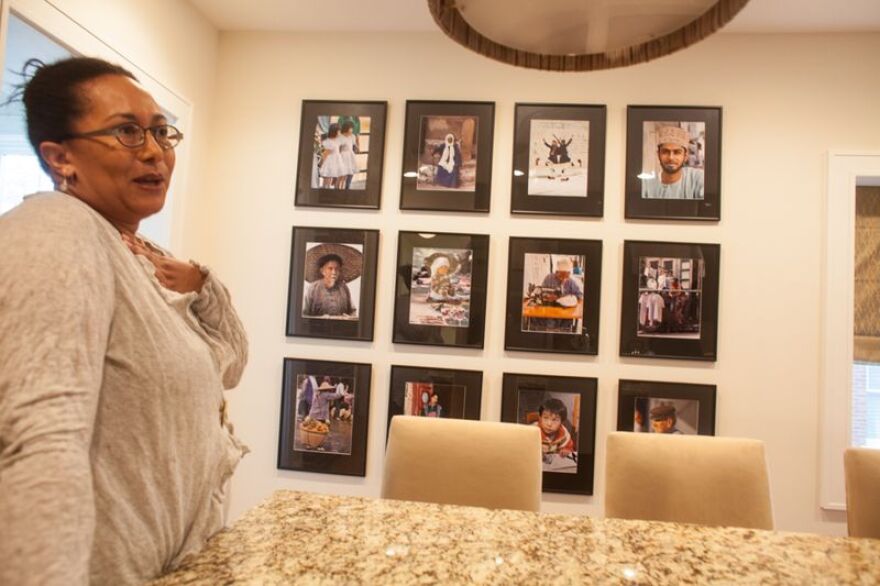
{"x": 673, "y": 161}
{"x": 661, "y": 415}
{"x": 332, "y": 280}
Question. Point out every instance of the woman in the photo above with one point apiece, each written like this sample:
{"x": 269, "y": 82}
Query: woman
{"x": 114, "y": 449}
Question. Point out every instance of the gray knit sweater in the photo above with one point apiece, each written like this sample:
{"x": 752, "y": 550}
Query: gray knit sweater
{"x": 113, "y": 459}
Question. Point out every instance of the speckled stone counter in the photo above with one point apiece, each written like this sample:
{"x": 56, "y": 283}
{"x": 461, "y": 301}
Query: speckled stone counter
{"x": 307, "y": 538}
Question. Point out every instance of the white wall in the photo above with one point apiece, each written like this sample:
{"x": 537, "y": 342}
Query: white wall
{"x": 787, "y": 100}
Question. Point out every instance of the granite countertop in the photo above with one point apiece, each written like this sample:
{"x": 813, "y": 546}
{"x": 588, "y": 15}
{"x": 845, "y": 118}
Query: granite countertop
{"x": 321, "y": 539}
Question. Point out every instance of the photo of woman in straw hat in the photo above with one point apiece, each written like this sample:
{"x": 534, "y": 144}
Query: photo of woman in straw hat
{"x": 332, "y": 280}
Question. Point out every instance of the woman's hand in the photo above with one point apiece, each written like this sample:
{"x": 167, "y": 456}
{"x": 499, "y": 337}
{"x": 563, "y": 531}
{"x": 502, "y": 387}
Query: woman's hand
{"x": 173, "y": 274}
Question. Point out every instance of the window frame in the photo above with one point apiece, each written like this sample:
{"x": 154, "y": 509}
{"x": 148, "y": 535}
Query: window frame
{"x": 846, "y": 171}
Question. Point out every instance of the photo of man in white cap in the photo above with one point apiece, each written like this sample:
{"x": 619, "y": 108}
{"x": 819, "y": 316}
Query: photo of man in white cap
{"x": 676, "y": 180}
{"x": 553, "y": 301}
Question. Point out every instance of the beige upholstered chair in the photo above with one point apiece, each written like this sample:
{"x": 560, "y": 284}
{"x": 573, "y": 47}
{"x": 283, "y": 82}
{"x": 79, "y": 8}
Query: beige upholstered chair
{"x": 862, "y": 466}
{"x": 687, "y": 479}
{"x": 455, "y": 461}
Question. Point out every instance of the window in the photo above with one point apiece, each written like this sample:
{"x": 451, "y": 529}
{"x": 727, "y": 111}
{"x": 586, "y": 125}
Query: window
{"x": 20, "y": 171}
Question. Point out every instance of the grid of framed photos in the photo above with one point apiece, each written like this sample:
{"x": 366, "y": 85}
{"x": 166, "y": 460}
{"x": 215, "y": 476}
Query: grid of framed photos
{"x": 669, "y": 302}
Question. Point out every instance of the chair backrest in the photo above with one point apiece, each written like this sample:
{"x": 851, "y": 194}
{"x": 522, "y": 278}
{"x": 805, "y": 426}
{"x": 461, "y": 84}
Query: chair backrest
{"x": 862, "y": 469}
{"x": 461, "y": 462}
{"x": 687, "y": 479}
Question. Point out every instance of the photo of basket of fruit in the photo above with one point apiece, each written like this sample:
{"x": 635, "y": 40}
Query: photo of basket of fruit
{"x": 313, "y": 433}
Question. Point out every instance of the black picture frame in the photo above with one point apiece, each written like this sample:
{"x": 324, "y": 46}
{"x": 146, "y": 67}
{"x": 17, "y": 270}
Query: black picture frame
{"x": 460, "y": 392}
{"x": 299, "y": 450}
{"x": 311, "y": 190}
{"x": 427, "y": 311}
{"x": 523, "y": 396}
{"x": 700, "y": 126}
{"x": 665, "y": 407}
{"x": 673, "y": 324}
{"x": 425, "y": 183}
{"x": 309, "y": 245}
{"x": 531, "y": 262}
{"x": 539, "y": 184}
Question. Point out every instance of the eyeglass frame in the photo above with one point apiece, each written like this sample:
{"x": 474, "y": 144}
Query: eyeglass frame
{"x": 114, "y": 132}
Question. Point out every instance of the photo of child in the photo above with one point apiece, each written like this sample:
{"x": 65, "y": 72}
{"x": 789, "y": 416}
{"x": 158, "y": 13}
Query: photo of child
{"x": 324, "y": 410}
{"x": 670, "y": 294}
{"x": 424, "y": 399}
{"x": 556, "y": 415}
{"x": 558, "y": 157}
{"x": 447, "y": 153}
{"x": 440, "y": 290}
{"x": 341, "y": 148}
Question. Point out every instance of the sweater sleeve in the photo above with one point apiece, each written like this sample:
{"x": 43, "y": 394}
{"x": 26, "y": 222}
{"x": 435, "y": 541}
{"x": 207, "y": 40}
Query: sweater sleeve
{"x": 56, "y": 305}
{"x": 223, "y": 330}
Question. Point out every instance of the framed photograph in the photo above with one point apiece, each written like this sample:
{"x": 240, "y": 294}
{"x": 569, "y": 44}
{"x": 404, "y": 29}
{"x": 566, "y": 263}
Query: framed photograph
{"x": 558, "y": 160}
{"x": 670, "y": 300}
{"x": 440, "y": 298}
{"x": 332, "y": 287}
{"x": 553, "y": 288}
{"x": 656, "y": 407}
{"x": 341, "y": 149}
{"x": 673, "y": 162}
{"x": 564, "y": 410}
{"x": 435, "y": 392}
{"x": 325, "y": 408}
{"x": 447, "y": 156}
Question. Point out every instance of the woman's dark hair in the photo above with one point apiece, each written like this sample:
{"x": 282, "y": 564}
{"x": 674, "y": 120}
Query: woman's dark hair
{"x": 347, "y": 125}
{"x": 51, "y": 95}
{"x": 333, "y": 130}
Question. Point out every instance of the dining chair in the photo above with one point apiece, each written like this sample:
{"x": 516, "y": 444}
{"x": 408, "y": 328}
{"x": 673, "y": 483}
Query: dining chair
{"x": 462, "y": 462}
{"x": 687, "y": 479}
{"x": 862, "y": 472}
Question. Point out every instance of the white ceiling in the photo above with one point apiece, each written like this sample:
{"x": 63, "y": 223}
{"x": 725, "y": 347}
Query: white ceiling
{"x": 764, "y": 16}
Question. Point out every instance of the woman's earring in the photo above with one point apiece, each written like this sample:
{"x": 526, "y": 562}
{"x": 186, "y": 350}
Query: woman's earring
{"x": 62, "y": 187}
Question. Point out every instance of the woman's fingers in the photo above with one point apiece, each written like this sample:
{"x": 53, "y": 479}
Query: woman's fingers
{"x": 171, "y": 273}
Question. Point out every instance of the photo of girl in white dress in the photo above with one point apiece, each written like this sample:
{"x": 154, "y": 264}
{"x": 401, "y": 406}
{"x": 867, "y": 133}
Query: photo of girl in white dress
{"x": 332, "y": 166}
{"x": 341, "y": 152}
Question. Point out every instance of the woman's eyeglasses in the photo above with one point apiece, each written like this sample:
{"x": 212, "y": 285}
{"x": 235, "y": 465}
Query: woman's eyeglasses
{"x": 134, "y": 135}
